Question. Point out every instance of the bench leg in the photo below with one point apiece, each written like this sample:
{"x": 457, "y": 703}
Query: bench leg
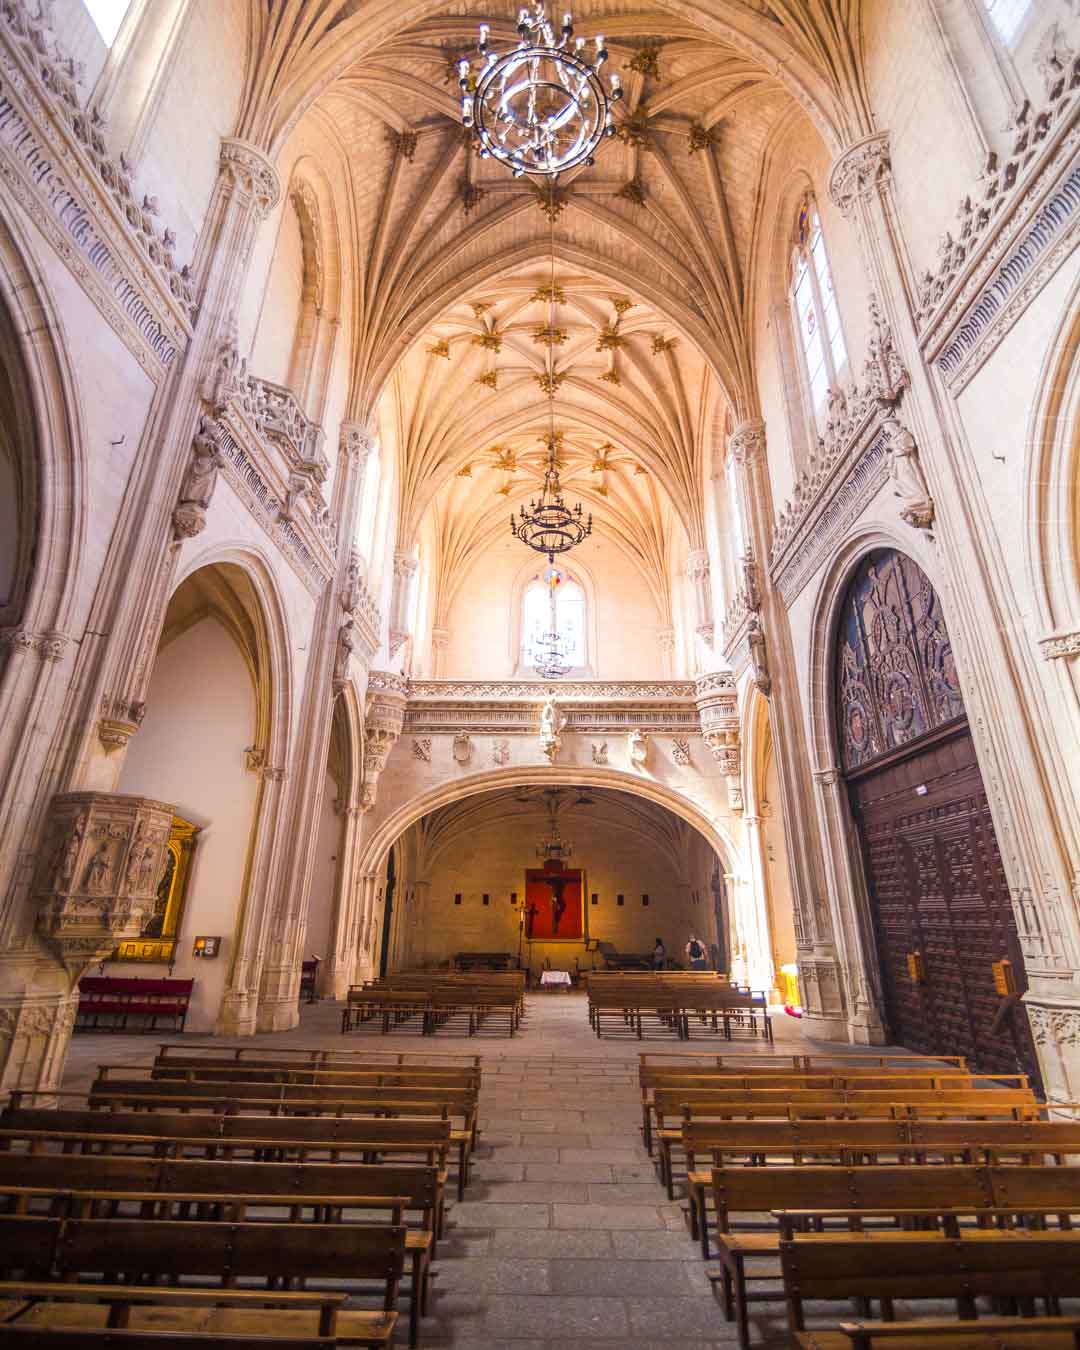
{"x": 742, "y": 1319}
{"x": 416, "y": 1291}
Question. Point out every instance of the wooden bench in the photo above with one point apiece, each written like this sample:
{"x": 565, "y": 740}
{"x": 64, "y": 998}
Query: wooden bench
{"x": 121, "y": 998}
{"x": 920, "y": 1266}
{"x": 488, "y": 961}
{"x": 20, "y": 1336}
{"x": 230, "y": 1207}
{"x": 851, "y": 1194}
{"x": 988, "y": 1333}
{"x": 324, "y": 1058}
{"x": 213, "y": 1255}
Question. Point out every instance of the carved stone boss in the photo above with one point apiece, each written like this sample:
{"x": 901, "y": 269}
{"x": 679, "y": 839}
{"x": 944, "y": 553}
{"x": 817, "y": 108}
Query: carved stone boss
{"x": 97, "y": 873}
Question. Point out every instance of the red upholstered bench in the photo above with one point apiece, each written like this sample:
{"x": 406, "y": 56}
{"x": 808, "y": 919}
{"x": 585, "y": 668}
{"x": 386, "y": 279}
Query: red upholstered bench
{"x": 120, "y": 999}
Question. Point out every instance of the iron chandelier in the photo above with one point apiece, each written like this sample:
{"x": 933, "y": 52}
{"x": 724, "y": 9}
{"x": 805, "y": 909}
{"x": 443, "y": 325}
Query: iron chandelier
{"x": 540, "y": 108}
{"x": 550, "y": 526}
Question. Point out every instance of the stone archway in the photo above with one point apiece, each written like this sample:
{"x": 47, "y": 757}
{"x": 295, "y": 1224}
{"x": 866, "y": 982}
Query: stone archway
{"x": 950, "y": 960}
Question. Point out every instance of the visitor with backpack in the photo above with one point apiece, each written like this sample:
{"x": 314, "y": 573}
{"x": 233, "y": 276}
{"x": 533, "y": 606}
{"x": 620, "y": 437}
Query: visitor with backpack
{"x": 659, "y": 955}
{"x": 696, "y": 954}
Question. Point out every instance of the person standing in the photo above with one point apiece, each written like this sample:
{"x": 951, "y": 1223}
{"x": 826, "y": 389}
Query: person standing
{"x": 659, "y": 955}
{"x": 696, "y": 954}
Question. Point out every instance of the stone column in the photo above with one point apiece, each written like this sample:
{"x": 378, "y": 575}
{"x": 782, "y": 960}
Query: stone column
{"x": 337, "y": 974}
{"x": 341, "y": 631}
{"x": 367, "y": 928}
{"x": 405, "y": 569}
{"x": 761, "y": 957}
{"x": 821, "y": 979}
{"x": 698, "y": 575}
{"x": 666, "y": 638}
{"x": 440, "y": 642}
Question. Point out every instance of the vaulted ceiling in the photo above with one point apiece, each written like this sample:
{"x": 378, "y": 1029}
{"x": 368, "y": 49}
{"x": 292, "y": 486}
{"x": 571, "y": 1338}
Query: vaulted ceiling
{"x": 650, "y": 249}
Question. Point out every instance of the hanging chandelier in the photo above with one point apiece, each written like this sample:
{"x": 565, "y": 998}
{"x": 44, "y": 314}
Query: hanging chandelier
{"x": 540, "y": 108}
{"x": 551, "y": 650}
{"x": 554, "y": 848}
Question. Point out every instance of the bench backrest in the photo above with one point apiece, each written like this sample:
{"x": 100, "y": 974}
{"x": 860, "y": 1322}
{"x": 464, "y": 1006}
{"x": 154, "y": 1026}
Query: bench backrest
{"x": 20, "y": 1337}
{"x": 991, "y": 1136}
{"x": 98, "y": 986}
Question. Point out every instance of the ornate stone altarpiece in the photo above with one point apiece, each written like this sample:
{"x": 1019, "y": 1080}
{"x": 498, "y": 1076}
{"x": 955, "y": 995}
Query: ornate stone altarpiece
{"x": 157, "y": 941}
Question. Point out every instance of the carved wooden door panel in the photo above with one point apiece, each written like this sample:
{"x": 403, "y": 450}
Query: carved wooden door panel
{"x": 939, "y": 896}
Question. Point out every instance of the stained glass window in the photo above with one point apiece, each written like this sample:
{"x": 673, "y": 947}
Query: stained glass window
{"x": 554, "y": 598}
{"x": 817, "y": 315}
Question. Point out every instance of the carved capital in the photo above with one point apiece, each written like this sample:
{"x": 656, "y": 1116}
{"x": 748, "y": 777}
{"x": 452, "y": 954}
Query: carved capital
{"x": 356, "y": 442}
{"x": 405, "y": 565}
{"x": 747, "y": 441}
{"x": 859, "y": 171}
{"x": 1058, "y": 645}
{"x": 826, "y": 777}
{"x": 114, "y": 734}
{"x": 397, "y": 639}
{"x": 250, "y": 174}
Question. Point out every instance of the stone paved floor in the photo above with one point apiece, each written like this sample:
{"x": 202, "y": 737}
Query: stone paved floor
{"x": 565, "y": 1239}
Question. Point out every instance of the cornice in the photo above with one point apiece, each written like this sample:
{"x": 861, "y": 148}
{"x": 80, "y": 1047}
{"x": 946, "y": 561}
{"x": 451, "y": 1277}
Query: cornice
{"x": 54, "y": 163}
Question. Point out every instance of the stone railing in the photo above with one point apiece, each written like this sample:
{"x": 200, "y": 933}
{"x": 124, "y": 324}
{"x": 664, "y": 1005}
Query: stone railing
{"x": 276, "y": 411}
{"x": 1009, "y": 241}
{"x": 54, "y": 159}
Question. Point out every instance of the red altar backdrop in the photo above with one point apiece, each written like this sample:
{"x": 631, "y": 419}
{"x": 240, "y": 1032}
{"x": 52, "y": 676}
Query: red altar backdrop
{"x": 554, "y": 903}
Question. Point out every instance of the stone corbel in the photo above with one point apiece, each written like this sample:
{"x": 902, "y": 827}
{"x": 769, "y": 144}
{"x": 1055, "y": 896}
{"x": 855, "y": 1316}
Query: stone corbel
{"x": 859, "y": 171}
{"x": 698, "y": 575}
{"x": 250, "y": 174}
{"x": 383, "y": 723}
{"x": 97, "y": 873}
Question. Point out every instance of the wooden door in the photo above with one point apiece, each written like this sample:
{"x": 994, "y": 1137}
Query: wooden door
{"x": 939, "y": 896}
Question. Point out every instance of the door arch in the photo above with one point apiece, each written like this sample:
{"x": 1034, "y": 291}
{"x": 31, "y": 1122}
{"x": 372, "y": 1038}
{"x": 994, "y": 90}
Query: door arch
{"x": 939, "y": 897}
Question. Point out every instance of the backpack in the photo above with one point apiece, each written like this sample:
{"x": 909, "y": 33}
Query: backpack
{"x": 697, "y": 951}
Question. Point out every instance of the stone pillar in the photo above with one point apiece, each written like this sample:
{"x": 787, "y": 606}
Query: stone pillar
{"x": 820, "y": 975}
{"x": 405, "y": 569}
{"x": 852, "y": 924}
{"x": 367, "y": 928}
{"x": 342, "y": 630}
{"x": 761, "y": 957}
{"x": 666, "y": 638}
{"x": 337, "y": 974}
{"x": 698, "y": 575}
{"x": 440, "y": 642}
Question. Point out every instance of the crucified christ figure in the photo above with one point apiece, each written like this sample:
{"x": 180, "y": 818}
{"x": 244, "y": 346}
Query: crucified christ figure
{"x": 558, "y": 904}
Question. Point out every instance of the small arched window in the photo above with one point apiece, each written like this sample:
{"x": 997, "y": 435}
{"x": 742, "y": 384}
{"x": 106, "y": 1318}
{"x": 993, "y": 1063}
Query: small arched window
{"x": 554, "y": 601}
{"x": 1008, "y": 17}
{"x": 369, "y": 501}
{"x": 816, "y": 314}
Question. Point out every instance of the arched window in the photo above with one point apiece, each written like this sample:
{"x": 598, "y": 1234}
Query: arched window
{"x": 1008, "y": 17}
{"x": 816, "y": 315}
{"x": 554, "y": 601}
{"x": 108, "y": 15}
{"x": 369, "y": 501}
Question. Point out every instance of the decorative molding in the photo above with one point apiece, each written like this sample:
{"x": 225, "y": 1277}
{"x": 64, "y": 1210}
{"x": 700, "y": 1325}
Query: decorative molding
{"x": 1060, "y": 644}
{"x": 536, "y": 691}
{"x": 54, "y": 162}
{"x": 250, "y": 174}
{"x": 747, "y": 441}
{"x": 1005, "y": 247}
{"x": 859, "y": 171}
{"x": 48, "y": 646}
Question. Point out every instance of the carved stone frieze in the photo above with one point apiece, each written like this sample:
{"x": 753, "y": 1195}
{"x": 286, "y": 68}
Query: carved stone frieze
{"x": 250, "y": 174}
{"x": 54, "y": 160}
{"x": 859, "y": 171}
{"x": 49, "y": 646}
{"x": 97, "y": 872}
{"x": 1006, "y": 245}
{"x": 1059, "y": 645}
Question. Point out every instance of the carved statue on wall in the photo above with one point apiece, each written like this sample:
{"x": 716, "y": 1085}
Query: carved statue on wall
{"x": 551, "y": 724}
{"x": 189, "y": 517}
{"x": 907, "y": 478}
{"x": 66, "y": 855}
{"x": 346, "y": 641}
{"x": 638, "y": 744}
{"x": 759, "y": 657}
{"x": 96, "y": 876}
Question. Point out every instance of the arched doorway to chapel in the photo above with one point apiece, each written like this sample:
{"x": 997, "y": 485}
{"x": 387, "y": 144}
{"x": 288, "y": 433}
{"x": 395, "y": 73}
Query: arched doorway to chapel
{"x": 951, "y": 964}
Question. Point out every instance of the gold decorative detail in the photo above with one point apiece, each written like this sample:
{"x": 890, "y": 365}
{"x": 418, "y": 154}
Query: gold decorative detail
{"x": 157, "y": 941}
{"x": 549, "y": 384}
{"x": 471, "y": 194}
{"x": 621, "y": 303}
{"x": 505, "y": 459}
{"x": 451, "y": 56}
{"x": 440, "y": 348}
{"x": 640, "y": 469}
{"x": 550, "y": 337}
{"x": 550, "y": 198}
{"x": 634, "y": 130}
{"x": 611, "y": 376}
{"x": 465, "y": 471}
{"x": 404, "y": 142}
{"x": 547, "y": 295}
{"x": 478, "y": 308}
{"x": 489, "y": 379}
{"x": 490, "y": 340}
{"x": 646, "y": 61}
{"x": 701, "y": 137}
{"x": 662, "y": 344}
{"x": 602, "y": 463}
{"x": 633, "y": 191}
{"x": 609, "y": 339}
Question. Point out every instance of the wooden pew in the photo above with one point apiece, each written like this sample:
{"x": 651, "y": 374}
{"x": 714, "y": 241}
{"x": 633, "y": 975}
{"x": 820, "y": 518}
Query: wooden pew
{"x": 230, "y": 1207}
{"x": 914, "y": 1267}
{"x": 19, "y": 1336}
{"x": 850, "y": 1194}
{"x": 988, "y": 1333}
{"x": 324, "y": 1058}
{"x": 213, "y": 1255}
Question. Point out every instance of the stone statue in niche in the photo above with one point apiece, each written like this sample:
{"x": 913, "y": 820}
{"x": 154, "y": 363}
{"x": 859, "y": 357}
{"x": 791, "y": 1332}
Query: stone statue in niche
{"x": 134, "y": 858}
{"x": 907, "y": 478}
{"x": 500, "y": 751}
{"x": 96, "y": 876}
{"x": 346, "y": 641}
{"x": 638, "y": 744}
{"x": 599, "y": 753}
{"x": 759, "y": 658}
{"x": 197, "y": 489}
{"x": 66, "y": 856}
{"x": 552, "y": 723}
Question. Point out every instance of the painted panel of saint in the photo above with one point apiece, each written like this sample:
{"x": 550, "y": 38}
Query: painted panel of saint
{"x": 554, "y": 904}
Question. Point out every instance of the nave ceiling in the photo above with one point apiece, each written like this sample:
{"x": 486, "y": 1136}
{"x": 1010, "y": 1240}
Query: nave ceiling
{"x": 653, "y": 252}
